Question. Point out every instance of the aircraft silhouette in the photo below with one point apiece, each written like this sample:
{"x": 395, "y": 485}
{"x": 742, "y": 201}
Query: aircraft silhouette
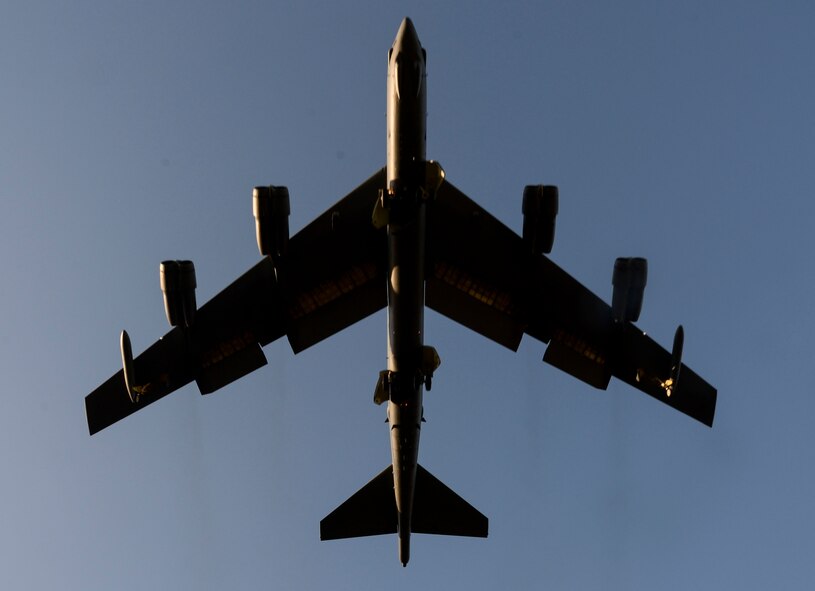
{"x": 403, "y": 239}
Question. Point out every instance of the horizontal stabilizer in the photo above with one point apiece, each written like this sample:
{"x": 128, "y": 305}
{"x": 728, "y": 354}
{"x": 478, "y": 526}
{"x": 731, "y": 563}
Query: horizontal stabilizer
{"x": 371, "y": 511}
{"x": 438, "y": 510}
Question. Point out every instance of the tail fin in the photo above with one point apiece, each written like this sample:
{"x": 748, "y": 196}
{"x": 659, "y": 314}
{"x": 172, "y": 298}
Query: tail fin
{"x": 370, "y": 511}
{"x": 438, "y": 510}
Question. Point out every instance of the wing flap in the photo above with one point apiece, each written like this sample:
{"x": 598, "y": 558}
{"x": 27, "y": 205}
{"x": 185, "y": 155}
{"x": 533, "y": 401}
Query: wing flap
{"x": 336, "y": 304}
{"x": 448, "y": 294}
{"x": 335, "y": 272}
{"x": 475, "y": 267}
{"x": 238, "y": 363}
{"x": 578, "y": 359}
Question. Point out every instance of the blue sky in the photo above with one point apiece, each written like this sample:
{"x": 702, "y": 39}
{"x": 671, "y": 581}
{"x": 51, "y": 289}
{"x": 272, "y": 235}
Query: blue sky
{"x": 134, "y": 132}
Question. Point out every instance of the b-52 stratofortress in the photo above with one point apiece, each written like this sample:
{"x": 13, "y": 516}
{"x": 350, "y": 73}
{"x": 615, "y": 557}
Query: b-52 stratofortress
{"x": 404, "y": 239}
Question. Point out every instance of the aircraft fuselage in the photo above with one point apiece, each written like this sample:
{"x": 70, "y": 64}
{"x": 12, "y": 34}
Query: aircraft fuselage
{"x": 406, "y": 123}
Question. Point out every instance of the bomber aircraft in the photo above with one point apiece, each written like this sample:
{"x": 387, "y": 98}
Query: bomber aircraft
{"x": 404, "y": 239}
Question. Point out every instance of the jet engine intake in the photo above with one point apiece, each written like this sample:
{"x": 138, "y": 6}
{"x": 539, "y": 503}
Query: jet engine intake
{"x": 540, "y": 208}
{"x": 271, "y": 209}
{"x": 629, "y": 279}
{"x": 178, "y": 286}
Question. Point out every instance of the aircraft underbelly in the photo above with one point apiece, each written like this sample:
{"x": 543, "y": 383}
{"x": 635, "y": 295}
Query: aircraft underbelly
{"x": 405, "y": 341}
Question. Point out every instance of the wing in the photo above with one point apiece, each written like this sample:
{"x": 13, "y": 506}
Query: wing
{"x": 333, "y": 275}
{"x": 481, "y": 275}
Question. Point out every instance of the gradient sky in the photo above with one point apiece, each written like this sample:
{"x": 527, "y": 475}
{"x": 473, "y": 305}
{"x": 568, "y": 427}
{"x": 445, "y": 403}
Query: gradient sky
{"x": 132, "y": 132}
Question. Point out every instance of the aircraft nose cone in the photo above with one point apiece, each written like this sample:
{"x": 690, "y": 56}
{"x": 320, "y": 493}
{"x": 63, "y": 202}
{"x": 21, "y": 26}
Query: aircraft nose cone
{"x": 406, "y": 37}
{"x": 407, "y": 28}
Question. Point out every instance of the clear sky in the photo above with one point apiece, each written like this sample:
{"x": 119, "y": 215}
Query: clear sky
{"x": 132, "y": 132}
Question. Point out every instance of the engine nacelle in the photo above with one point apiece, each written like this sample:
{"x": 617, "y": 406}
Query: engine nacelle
{"x": 540, "y": 207}
{"x": 271, "y": 209}
{"x": 630, "y": 277}
{"x": 178, "y": 286}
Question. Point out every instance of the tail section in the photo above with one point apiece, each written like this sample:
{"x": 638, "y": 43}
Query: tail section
{"x": 438, "y": 510}
{"x": 371, "y": 511}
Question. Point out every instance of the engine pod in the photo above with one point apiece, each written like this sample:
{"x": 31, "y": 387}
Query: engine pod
{"x": 540, "y": 207}
{"x": 270, "y": 206}
{"x": 629, "y": 279}
{"x": 178, "y": 287}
